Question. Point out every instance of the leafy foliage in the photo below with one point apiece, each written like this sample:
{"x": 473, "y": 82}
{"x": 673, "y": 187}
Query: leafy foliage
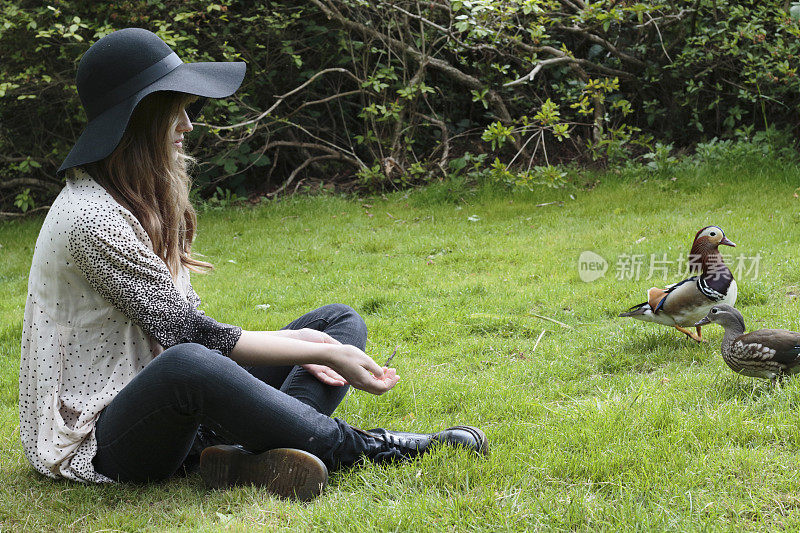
{"x": 24, "y": 201}
{"x": 386, "y": 94}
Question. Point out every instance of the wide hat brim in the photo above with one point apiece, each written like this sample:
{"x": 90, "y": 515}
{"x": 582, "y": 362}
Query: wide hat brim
{"x": 103, "y": 133}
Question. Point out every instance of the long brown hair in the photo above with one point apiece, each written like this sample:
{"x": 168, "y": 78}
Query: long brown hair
{"x": 144, "y": 174}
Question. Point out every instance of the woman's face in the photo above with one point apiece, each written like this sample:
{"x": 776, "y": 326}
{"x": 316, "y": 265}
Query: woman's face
{"x": 180, "y": 125}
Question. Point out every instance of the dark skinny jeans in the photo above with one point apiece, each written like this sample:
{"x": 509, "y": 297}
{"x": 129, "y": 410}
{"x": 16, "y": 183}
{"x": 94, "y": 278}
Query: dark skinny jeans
{"x": 151, "y": 426}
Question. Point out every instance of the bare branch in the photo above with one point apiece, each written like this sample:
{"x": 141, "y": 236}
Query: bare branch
{"x": 667, "y": 18}
{"x": 13, "y": 159}
{"x": 448, "y": 32}
{"x": 442, "y": 66}
{"x": 398, "y": 129}
{"x": 331, "y": 146}
{"x": 321, "y": 147}
{"x": 660, "y": 38}
{"x": 547, "y": 62}
{"x": 29, "y": 182}
{"x": 418, "y": 17}
{"x": 296, "y": 171}
{"x": 602, "y": 42}
{"x": 328, "y": 99}
{"x": 575, "y": 62}
{"x": 280, "y": 100}
{"x": 577, "y": 6}
{"x": 5, "y": 214}
{"x": 445, "y": 141}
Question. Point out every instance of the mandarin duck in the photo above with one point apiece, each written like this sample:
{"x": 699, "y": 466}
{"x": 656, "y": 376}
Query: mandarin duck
{"x": 683, "y": 304}
{"x": 764, "y": 353}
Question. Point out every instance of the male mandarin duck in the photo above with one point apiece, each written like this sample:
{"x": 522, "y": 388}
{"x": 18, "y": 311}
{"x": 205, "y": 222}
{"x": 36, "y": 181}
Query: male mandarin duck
{"x": 685, "y": 303}
{"x": 764, "y": 353}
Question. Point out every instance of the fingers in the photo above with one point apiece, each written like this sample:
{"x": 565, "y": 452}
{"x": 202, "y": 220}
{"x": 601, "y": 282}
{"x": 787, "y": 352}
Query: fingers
{"x": 372, "y": 367}
{"x": 334, "y": 377}
{"x": 321, "y": 336}
{"x": 362, "y": 372}
{"x": 329, "y": 377}
{"x": 390, "y": 377}
{"x": 388, "y": 374}
{"x": 382, "y": 385}
{"x": 326, "y": 375}
{"x": 330, "y": 340}
{"x": 328, "y": 380}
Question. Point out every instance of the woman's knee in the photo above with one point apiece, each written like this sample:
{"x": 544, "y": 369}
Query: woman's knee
{"x": 337, "y": 310}
{"x": 189, "y": 360}
{"x": 349, "y": 316}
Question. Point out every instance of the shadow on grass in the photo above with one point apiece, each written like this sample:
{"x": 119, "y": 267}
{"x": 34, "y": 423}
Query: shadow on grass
{"x": 742, "y": 389}
{"x": 648, "y": 351}
{"x": 374, "y": 305}
{"x": 78, "y": 506}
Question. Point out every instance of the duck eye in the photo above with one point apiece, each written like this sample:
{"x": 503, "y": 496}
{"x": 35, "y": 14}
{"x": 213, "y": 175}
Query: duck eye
{"x": 714, "y": 310}
{"x": 713, "y": 234}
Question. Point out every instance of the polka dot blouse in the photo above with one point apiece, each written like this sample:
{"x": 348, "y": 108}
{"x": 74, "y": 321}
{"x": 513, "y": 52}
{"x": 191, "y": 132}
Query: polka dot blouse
{"x": 100, "y": 306}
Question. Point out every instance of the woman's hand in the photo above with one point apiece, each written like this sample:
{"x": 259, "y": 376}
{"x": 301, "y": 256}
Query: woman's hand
{"x": 324, "y": 357}
{"x": 323, "y": 373}
{"x": 376, "y": 380}
{"x": 307, "y": 334}
{"x": 326, "y": 375}
{"x": 360, "y": 371}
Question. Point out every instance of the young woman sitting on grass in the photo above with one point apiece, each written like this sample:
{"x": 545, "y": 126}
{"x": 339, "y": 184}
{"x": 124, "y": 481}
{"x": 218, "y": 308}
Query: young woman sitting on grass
{"x": 122, "y": 377}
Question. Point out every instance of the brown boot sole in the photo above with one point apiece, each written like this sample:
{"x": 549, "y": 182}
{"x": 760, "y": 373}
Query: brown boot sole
{"x": 285, "y": 472}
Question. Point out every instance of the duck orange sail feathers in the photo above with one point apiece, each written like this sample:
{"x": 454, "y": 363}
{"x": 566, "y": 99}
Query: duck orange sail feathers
{"x": 683, "y": 304}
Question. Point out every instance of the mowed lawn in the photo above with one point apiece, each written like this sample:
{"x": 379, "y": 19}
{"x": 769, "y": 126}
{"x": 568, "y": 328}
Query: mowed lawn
{"x": 599, "y": 423}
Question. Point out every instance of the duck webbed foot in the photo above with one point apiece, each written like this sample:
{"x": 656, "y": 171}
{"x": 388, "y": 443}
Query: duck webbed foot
{"x": 694, "y": 336}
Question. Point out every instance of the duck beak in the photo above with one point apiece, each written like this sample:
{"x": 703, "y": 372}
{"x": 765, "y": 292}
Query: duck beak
{"x": 727, "y": 242}
{"x": 702, "y": 322}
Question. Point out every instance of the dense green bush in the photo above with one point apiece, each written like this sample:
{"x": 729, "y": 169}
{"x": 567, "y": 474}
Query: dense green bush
{"x": 391, "y": 93}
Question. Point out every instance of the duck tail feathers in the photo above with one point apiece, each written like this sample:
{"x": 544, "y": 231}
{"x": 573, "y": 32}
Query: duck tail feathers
{"x": 637, "y": 310}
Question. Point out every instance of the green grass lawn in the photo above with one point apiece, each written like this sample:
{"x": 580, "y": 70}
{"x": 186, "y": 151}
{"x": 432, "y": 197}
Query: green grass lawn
{"x": 606, "y": 424}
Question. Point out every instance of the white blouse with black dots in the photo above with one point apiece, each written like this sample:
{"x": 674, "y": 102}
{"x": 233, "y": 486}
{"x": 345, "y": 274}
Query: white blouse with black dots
{"x": 101, "y": 305}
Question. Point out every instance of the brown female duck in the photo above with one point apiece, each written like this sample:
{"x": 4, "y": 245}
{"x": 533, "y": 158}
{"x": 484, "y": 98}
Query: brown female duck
{"x": 764, "y": 353}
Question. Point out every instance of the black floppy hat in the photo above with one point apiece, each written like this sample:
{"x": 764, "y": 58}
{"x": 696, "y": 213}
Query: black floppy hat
{"x": 122, "y": 68}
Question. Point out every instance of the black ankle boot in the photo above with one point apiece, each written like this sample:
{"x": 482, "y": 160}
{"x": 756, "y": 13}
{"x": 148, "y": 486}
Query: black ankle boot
{"x": 387, "y": 445}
